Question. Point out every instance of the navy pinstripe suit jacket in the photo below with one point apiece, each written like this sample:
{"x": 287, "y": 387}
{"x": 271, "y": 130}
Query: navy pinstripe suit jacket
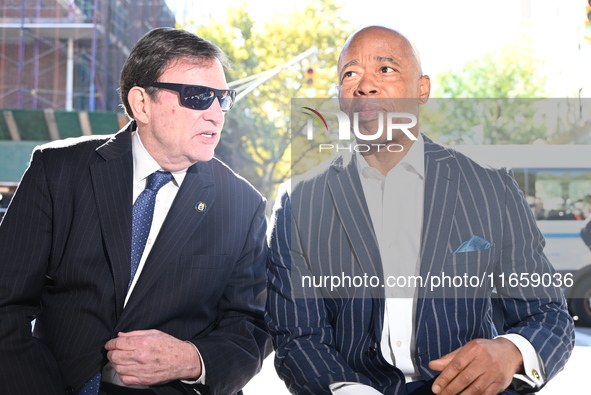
{"x": 65, "y": 245}
{"x": 322, "y": 227}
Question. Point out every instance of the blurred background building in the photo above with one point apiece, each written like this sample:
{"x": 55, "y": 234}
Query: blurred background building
{"x": 59, "y": 69}
{"x": 67, "y": 54}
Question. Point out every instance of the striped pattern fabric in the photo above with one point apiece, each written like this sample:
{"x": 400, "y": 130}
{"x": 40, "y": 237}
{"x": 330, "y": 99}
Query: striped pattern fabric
{"x": 65, "y": 247}
{"x": 322, "y": 227}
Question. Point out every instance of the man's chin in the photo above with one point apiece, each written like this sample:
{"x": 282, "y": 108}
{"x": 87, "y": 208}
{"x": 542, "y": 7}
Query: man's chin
{"x": 204, "y": 156}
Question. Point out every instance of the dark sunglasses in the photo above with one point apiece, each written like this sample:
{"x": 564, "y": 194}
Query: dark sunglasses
{"x": 197, "y": 97}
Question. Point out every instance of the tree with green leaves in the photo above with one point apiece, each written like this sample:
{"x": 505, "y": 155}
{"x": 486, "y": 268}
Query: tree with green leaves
{"x": 496, "y": 99}
{"x": 256, "y": 140}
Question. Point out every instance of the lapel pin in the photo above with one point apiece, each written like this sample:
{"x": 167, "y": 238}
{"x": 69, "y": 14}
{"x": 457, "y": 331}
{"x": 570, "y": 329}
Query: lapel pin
{"x": 200, "y": 207}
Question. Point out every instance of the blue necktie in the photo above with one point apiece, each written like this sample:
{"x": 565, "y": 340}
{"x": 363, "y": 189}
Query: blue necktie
{"x": 91, "y": 387}
{"x": 143, "y": 211}
{"x": 142, "y": 214}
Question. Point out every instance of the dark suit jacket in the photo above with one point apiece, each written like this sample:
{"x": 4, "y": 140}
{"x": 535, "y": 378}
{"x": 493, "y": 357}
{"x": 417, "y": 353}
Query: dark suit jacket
{"x": 65, "y": 245}
{"x": 322, "y": 227}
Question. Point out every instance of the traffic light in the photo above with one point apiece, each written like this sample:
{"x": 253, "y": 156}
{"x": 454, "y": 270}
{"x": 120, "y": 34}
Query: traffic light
{"x": 310, "y": 88}
{"x": 315, "y": 81}
{"x": 587, "y": 31}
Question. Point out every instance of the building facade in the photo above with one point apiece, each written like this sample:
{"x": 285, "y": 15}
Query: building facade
{"x": 67, "y": 54}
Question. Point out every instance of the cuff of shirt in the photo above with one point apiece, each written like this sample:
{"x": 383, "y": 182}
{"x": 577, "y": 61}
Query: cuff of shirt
{"x": 534, "y": 370}
{"x": 347, "y": 388}
{"x": 201, "y": 379}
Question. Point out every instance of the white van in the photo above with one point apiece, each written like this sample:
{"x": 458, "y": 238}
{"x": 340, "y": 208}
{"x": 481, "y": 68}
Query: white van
{"x": 556, "y": 181}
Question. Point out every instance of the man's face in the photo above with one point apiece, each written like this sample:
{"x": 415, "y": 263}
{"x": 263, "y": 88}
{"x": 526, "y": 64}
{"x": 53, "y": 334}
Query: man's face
{"x": 378, "y": 64}
{"x": 176, "y": 136}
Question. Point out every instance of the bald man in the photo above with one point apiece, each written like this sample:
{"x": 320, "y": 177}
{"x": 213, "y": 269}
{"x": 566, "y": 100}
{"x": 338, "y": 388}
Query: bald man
{"x": 420, "y": 210}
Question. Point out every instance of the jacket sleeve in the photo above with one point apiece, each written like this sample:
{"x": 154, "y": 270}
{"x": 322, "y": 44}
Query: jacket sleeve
{"x": 28, "y": 367}
{"x": 536, "y": 311}
{"x": 234, "y": 350}
{"x": 306, "y": 357}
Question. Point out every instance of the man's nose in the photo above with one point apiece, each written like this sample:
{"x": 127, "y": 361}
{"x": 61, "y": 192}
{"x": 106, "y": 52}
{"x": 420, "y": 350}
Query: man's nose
{"x": 214, "y": 113}
{"x": 368, "y": 86}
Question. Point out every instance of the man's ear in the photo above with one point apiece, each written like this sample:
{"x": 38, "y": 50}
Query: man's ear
{"x": 424, "y": 88}
{"x": 140, "y": 102}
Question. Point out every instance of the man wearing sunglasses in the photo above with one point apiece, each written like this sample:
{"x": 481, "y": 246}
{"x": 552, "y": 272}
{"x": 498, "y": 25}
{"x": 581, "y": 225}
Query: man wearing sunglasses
{"x": 140, "y": 256}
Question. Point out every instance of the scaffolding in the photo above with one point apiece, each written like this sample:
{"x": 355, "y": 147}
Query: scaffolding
{"x": 67, "y": 54}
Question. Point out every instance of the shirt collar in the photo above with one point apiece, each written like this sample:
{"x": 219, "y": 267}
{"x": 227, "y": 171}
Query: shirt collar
{"x": 414, "y": 161}
{"x": 415, "y": 157}
{"x": 144, "y": 164}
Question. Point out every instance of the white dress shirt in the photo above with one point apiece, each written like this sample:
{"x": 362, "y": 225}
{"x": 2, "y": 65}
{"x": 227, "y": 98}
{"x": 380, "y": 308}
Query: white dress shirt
{"x": 395, "y": 204}
{"x": 143, "y": 166}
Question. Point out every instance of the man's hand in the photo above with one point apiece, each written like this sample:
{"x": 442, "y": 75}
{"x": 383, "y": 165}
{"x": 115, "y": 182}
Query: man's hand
{"x": 480, "y": 367}
{"x": 152, "y": 357}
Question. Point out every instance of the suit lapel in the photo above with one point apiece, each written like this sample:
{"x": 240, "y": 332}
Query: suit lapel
{"x": 194, "y": 200}
{"x": 349, "y": 202}
{"x": 113, "y": 182}
{"x": 441, "y": 192}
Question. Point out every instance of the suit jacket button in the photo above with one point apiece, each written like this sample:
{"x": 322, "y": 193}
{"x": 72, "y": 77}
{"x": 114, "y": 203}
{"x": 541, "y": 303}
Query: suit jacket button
{"x": 69, "y": 391}
{"x": 372, "y": 352}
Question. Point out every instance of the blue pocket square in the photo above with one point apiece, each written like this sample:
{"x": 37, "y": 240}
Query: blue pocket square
{"x": 474, "y": 243}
